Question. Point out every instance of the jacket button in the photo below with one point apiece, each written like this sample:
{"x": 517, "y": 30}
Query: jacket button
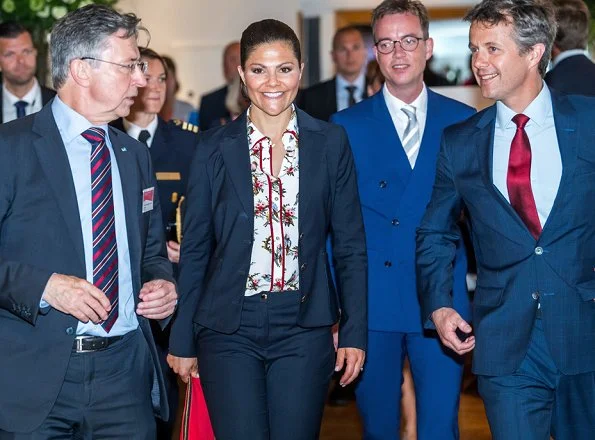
{"x": 70, "y": 331}
{"x": 303, "y": 267}
{"x": 304, "y": 298}
{"x": 382, "y": 184}
{"x": 388, "y": 264}
{"x": 535, "y": 295}
{"x": 301, "y": 236}
{"x": 538, "y": 250}
{"x": 395, "y": 222}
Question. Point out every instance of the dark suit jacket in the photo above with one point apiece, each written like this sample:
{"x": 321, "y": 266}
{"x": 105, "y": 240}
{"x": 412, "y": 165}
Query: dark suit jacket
{"x": 513, "y": 269}
{"x": 320, "y": 100}
{"x": 574, "y": 75}
{"x": 219, "y": 229}
{"x": 40, "y": 234}
{"x": 394, "y": 199}
{"x": 46, "y": 96}
{"x": 212, "y": 109}
{"x": 171, "y": 154}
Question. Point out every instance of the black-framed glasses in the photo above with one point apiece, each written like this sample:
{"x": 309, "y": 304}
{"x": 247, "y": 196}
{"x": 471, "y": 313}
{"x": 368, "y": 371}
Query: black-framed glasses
{"x": 140, "y": 65}
{"x": 408, "y": 44}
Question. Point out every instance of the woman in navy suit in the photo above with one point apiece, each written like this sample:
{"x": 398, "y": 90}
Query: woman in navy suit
{"x": 257, "y": 296}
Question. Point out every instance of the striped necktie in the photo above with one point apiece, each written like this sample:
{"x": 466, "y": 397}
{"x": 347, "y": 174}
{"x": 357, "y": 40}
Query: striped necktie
{"x": 410, "y": 140}
{"x": 105, "y": 250}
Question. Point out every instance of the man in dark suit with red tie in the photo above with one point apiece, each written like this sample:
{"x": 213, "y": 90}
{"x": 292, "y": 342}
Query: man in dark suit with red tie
{"x": 524, "y": 169}
{"x": 83, "y": 266}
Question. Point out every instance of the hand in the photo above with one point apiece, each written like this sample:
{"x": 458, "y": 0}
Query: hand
{"x": 77, "y": 297}
{"x": 158, "y": 299}
{"x": 183, "y": 367}
{"x": 447, "y": 321}
{"x": 173, "y": 251}
{"x": 353, "y": 360}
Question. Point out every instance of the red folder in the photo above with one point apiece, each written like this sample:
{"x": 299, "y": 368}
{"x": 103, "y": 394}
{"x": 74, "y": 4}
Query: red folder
{"x": 196, "y": 424}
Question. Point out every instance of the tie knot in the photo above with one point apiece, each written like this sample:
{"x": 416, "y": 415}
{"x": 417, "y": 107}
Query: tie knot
{"x": 144, "y": 136}
{"x": 94, "y": 135}
{"x": 21, "y": 104}
{"x": 409, "y": 110}
{"x": 520, "y": 120}
{"x": 350, "y": 89}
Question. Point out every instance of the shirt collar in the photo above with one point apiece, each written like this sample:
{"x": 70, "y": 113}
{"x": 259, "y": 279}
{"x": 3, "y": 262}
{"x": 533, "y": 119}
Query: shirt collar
{"x": 567, "y": 54}
{"x": 70, "y": 123}
{"x": 134, "y": 130}
{"x": 395, "y": 105}
{"x": 359, "y": 83}
{"x": 254, "y": 134}
{"x": 29, "y": 97}
{"x": 538, "y": 111}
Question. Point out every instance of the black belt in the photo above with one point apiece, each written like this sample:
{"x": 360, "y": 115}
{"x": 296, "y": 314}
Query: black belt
{"x": 86, "y": 344}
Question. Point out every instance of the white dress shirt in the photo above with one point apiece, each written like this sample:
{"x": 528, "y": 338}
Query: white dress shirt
{"x": 71, "y": 124}
{"x": 546, "y": 162}
{"x": 134, "y": 130}
{"x": 399, "y": 117}
{"x": 343, "y": 94}
{"x": 33, "y": 98}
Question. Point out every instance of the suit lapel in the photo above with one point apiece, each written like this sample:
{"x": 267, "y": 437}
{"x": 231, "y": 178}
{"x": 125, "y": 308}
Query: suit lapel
{"x": 567, "y": 131}
{"x": 236, "y": 155}
{"x": 160, "y": 142}
{"x": 382, "y": 115}
{"x": 54, "y": 162}
{"x": 129, "y": 179}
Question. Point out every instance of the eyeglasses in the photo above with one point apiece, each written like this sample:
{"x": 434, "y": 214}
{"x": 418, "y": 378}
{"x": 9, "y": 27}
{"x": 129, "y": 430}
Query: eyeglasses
{"x": 141, "y": 65}
{"x": 408, "y": 44}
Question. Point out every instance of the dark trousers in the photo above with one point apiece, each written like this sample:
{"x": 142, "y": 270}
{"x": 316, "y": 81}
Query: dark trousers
{"x": 437, "y": 374}
{"x": 269, "y": 379}
{"x": 106, "y": 395}
{"x": 537, "y": 399}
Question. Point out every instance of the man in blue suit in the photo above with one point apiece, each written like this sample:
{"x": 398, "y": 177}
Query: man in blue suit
{"x": 525, "y": 171}
{"x": 395, "y": 137}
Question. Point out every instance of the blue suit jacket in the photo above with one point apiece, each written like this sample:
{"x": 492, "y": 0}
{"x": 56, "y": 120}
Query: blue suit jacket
{"x": 40, "y": 234}
{"x": 513, "y": 269}
{"x": 394, "y": 198}
{"x": 219, "y": 234}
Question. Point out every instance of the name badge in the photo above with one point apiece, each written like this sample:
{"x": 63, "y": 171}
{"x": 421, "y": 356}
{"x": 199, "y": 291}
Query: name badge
{"x": 148, "y": 199}
{"x": 163, "y": 175}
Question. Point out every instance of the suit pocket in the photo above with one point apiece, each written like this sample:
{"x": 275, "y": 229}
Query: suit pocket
{"x": 488, "y": 296}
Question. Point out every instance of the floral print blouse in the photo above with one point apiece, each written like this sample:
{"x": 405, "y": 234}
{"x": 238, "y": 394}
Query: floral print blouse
{"x": 274, "y": 262}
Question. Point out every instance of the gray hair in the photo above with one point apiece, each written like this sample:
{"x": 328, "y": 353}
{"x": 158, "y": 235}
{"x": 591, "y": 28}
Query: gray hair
{"x": 84, "y": 33}
{"x": 533, "y": 22}
{"x": 413, "y": 7}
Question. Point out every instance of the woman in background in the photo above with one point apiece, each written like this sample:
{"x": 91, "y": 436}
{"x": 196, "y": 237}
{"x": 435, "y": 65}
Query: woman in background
{"x": 257, "y": 300}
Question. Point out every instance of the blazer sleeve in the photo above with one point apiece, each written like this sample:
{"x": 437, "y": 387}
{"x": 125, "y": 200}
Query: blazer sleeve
{"x": 437, "y": 238}
{"x": 348, "y": 242}
{"x": 195, "y": 254}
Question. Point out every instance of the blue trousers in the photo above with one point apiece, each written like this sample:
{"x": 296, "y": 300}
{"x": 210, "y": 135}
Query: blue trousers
{"x": 437, "y": 376}
{"x": 269, "y": 379}
{"x": 538, "y": 399}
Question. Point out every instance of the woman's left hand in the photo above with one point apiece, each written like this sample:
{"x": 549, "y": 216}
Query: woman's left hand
{"x": 353, "y": 360}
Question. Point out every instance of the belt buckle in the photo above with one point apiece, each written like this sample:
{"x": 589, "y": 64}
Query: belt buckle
{"x": 79, "y": 344}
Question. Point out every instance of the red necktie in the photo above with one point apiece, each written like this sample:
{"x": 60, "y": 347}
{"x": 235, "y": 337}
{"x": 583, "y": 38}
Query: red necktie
{"x": 105, "y": 250}
{"x": 518, "y": 179}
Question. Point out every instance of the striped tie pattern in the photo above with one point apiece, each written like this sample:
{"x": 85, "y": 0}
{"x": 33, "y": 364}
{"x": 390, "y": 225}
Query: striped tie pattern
{"x": 105, "y": 250}
{"x": 410, "y": 140}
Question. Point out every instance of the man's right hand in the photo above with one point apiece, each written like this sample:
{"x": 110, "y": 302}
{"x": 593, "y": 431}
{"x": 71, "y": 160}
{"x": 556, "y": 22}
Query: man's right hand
{"x": 77, "y": 297}
{"x": 183, "y": 367}
{"x": 447, "y": 321}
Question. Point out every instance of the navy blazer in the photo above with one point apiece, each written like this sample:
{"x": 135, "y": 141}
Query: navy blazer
{"x": 212, "y": 109}
{"x": 514, "y": 270}
{"x": 40, "y": 234}
{"x": 394, "y": 199}
{"x": 320, "y": 100}
{"x": 46, "y": 96}
{"x": 574, "y": 75}
{"x": 219, "y": 234}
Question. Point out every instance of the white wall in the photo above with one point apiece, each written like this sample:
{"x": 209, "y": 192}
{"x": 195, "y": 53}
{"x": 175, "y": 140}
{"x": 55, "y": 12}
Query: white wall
{"x": 194, "y": 32}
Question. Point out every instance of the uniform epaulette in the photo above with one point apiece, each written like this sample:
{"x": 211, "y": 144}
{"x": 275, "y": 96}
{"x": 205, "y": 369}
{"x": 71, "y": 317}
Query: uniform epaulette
{"x": 185, "y": 125}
